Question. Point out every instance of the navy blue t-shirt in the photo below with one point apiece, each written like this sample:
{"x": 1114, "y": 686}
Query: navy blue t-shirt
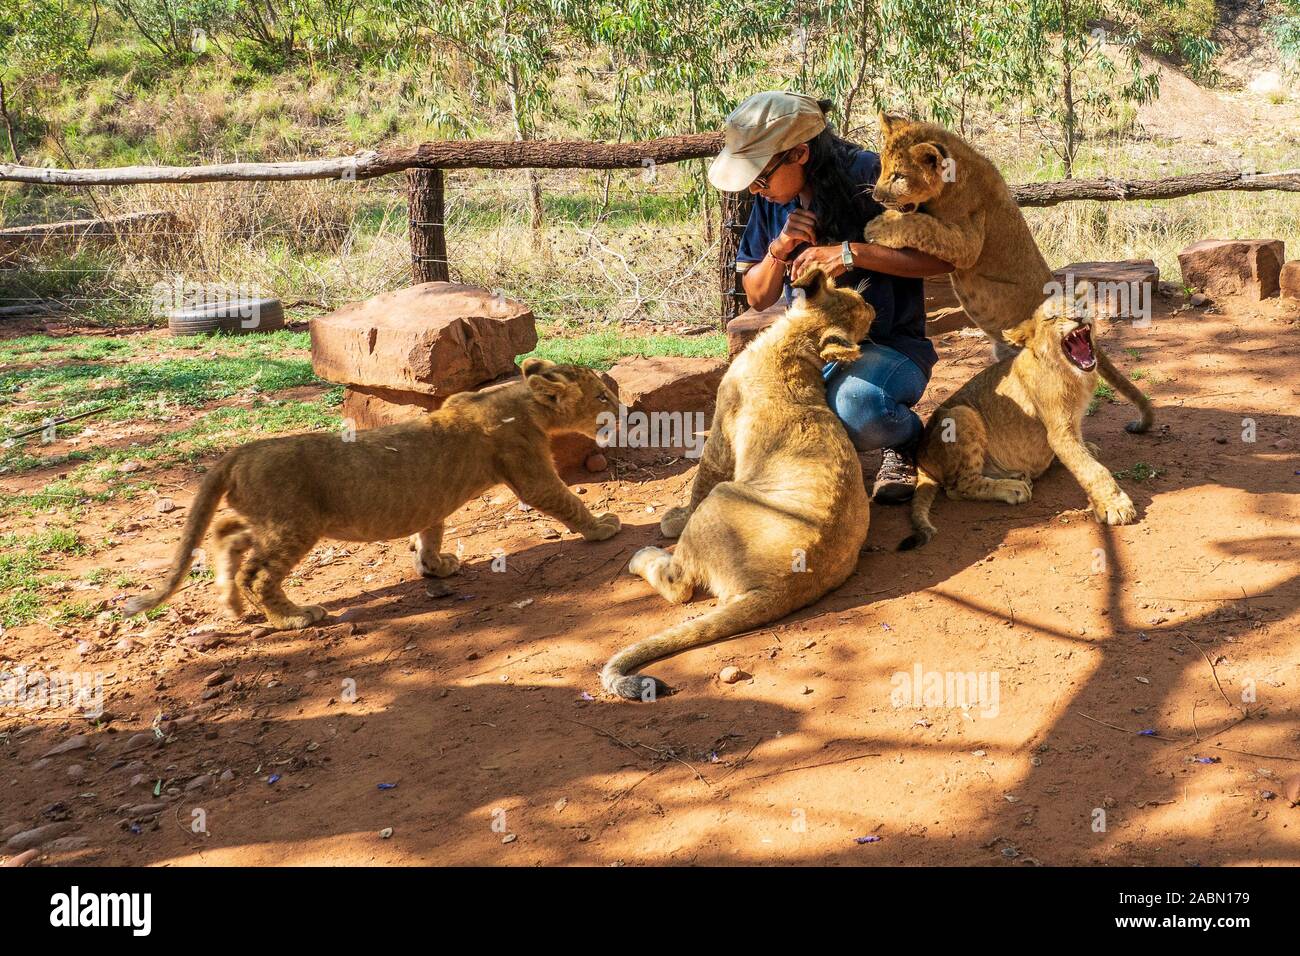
{"x": 899, "y": 302}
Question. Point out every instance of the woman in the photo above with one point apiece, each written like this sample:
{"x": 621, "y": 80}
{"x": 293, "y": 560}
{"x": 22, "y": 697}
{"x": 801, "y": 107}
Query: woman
{"x": 812, "y": 199}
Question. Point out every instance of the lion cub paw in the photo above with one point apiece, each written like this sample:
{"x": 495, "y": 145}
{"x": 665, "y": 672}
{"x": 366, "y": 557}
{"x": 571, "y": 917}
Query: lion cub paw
{"x": 673, "y": 523}
{"x": 644, "y": 557}
{"x": 436, "y": 565}
{"x": 604, "y": 526}
{"x": 305, "y": 616}
{"x": 1118, "y": 510}
{"x": 1016, "y": 492}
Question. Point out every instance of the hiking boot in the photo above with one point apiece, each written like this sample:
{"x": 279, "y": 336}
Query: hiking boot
{"x": 896, "y": 479}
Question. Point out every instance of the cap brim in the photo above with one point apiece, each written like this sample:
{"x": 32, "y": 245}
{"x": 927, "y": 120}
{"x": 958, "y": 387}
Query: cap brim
{"x": 733, "y": 173}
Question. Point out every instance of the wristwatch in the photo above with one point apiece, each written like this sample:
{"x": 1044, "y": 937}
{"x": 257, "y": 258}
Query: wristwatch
{"x": 846, "y": 255}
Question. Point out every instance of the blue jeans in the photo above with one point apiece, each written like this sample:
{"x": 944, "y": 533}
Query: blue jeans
{"x": 874, "y": 396}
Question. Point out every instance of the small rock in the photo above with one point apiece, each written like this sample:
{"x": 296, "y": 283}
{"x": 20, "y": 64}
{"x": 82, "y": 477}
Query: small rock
{"x": 216, "y": 677}
{"x": 1200, "y": 300}
{"x": 385, "y": 833}
{"x": 259, "y": 632}
{"x": 731, "y": 674}
{"x": 1283, "y": 444}
{"x": 39, "y": 836}
{"x": 76, "y": 771}
{"x": 509, "y": 838}
{"x": 201, "y": 782}
{"x": 22, "y": 859}
{"x": 164, "y": 505}
{"x": 139, "y": 740}
{"x": 806, "y": 689}
{"x": 210, "y": 693}
{"x": 75, "y": 742}
{"x": 130, "y": 466}
{"x": 147, "y": 809}
{"x": 227, "y": 776}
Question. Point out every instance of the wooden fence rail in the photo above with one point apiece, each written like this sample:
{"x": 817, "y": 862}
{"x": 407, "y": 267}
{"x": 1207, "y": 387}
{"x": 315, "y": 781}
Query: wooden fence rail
{"x": 423, "y": 165}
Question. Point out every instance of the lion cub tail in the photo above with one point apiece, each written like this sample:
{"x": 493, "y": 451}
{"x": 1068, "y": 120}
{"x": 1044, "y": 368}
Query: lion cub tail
{"x": 202, "y": 509}
{"x": 745, "y": 612}
{"x": 1115, "y": 378}
{"x": 922, "y": 531}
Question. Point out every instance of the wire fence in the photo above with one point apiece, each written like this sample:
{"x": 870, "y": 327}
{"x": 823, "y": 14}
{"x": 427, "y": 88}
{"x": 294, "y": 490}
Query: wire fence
{"x": 619, "y": 245}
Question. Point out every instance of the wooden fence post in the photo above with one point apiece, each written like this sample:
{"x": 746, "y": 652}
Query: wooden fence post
{"x": 735, "y": 216}
{"x": 427, "y": 218}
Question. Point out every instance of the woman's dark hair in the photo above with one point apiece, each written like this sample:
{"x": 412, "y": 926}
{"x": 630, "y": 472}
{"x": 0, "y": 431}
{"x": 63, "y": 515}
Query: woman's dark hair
{"x": 839, "y": 203}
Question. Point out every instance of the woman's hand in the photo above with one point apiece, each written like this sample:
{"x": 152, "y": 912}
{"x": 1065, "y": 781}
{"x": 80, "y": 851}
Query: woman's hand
{"x": 800, "y": 227}
{"x": 830, "y": 258}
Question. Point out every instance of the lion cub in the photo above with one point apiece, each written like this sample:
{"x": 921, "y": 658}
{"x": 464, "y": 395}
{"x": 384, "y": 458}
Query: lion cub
{"x": 1001, "y": 430}
{"x": 778, "y": 510}
{"x": 944, "y": 197}
{"x": 401, "y": 480}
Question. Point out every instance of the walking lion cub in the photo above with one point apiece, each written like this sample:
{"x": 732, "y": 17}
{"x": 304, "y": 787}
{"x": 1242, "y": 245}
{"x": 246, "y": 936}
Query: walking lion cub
{"x": 1003, "y": 428}
{"x": 778, "y": 510}
{"x": 387, "y": 483}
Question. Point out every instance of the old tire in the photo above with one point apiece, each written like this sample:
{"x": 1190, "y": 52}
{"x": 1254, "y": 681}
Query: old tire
{"x": 234, "y": 316}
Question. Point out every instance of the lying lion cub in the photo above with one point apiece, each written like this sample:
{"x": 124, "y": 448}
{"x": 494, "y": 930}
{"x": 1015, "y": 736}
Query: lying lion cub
{"x": 778, "y": 511}
{"x": 388, "y": 483}
{"x": 942, "y": 196}
{"x": 1002, "y": 429}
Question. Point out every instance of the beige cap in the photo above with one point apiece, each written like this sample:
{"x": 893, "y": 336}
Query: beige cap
{"x": 758, "y": 129}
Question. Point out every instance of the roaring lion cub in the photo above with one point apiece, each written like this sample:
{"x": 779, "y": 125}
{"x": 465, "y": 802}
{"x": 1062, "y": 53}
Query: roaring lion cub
{"x": 1001, "y": 430}
{"x": 943, "y": 197}
{"x": 778, "y": 510}
{"x": 387, "y": 483}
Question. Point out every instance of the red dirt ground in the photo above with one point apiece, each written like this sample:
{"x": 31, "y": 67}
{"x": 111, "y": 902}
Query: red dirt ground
{"x": 473, "y": 704}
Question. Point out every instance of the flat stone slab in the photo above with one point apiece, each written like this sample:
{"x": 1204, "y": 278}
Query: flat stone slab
{"x": 1245, "y": 267}
{"x": 1122, "y": 288}
{"x": 436, "y": 338}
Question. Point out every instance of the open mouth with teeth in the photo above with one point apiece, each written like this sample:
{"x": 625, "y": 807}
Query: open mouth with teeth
{"x": 1078, "y": 348}
{"x": 904, "y": 207}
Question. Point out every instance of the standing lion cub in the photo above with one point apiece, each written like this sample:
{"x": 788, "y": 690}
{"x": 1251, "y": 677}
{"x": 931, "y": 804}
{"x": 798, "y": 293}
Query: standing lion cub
{"x": 992, "y": 437}
{"x": 391, "y": 482}
{"x": 942, "y": 196}
{"x": 778, "y": 510}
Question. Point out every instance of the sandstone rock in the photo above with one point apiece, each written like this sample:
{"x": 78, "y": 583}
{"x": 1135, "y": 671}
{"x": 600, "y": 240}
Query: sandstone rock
{"x": 668, "y": 384}
{"x": 731, "y": 675}
{"x": 436, "y": 338}
{"x": 743, "y": 328}
{"x": 1289, "y": 280}
{"x": 1120, "y": 289}
{"x": 1246, "y": 267}
{"x": 22, "y": 859}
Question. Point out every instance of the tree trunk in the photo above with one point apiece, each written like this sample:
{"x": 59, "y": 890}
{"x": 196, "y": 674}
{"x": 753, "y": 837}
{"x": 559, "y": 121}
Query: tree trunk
{"x": 734, "y": 209}
{"x": 521, "y": 134}
{"x": 9, "y": 125}
{"x": 426, "y": 212}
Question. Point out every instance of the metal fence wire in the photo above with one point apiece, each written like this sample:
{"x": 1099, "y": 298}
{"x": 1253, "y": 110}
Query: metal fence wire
{"x": 617, "y": 245}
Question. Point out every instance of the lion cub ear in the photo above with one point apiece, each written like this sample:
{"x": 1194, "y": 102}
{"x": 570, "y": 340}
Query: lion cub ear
{"x": 1019, "y": 335}
{"x": 547, "y": 380}
{"x": 534, "y": 366}
{"x": 890, "y": 123}
{"x": 814, "y": 282}
{"x": 835, "y": 346}
{"x": 930, "y": 155}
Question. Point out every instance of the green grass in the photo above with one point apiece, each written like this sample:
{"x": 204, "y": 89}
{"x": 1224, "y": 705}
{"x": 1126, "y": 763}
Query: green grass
{"x": 23, "y": 562}
{"x": 600, "y": 350}
{"x": 1141, "y": 471}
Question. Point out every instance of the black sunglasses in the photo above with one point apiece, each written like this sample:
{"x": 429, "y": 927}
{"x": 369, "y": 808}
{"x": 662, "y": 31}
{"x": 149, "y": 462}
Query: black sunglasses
{"x": 763, "y": 179}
